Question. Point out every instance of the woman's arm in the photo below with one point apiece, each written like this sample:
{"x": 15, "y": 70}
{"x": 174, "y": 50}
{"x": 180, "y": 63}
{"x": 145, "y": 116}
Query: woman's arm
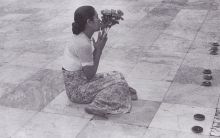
{"x": 90, "y": 71}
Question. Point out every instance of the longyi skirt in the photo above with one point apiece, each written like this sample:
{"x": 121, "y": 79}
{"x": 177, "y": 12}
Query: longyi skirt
{"x": 106, "y": 92}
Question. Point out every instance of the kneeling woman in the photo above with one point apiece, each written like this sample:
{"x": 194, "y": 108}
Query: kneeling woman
{"x": 105, "y": 93}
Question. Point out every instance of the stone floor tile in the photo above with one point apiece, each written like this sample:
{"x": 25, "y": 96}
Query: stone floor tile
{"x": 213, "y": 137}
{"x": 36, "y": 92}
{"x": 154, "y": 71}
{"x": 180, "y": 118}
{"x": 169, "y": 43}
{"x": 123, "y": 67}
{"x": 7, "y": 56}
{"x": 211, "y": 26}
{"x": 62, "y": 105}
{"x": 193, "y": 95}
{"x": 46, "y": 125}
{"x": 161, "y": 133}
{"x": 15, "y": 74}
{"x": 56, "y": 64}
{"x": 197, "y": 60}
{"x": 13, "y": 17}
{"x": 201, "y": 5}
{"x": 189, "y": 27}
{"x": 189, "y": 15}
{"x": 161, "y": 57}
{"x": 194, "y": 75}
{"x": 186, "y": 31}
{"x": 214, "y": 15}
{"x": 202, "y": 42}
{"x": 6, "y": 88}
{"x": 104, "y": 129}
{"x": 141, "y": 114}
{"x": 12, "y": 120}
{"x": 148, "y": 89}
{"x": 164, "y": 9}
{"x": 30, "y": 59}
{"x": 127, "y": 55}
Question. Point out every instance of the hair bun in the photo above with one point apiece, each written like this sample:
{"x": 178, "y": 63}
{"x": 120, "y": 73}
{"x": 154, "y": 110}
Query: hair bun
{"x": 76, "y": 28}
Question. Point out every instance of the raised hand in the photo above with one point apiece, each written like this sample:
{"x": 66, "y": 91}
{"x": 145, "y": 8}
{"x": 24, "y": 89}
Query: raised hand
{"x": 101, "y": 40}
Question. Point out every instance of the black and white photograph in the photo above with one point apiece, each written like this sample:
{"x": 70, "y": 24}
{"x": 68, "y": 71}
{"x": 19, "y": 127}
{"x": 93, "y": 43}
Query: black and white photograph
{"x": 109, "y": 69}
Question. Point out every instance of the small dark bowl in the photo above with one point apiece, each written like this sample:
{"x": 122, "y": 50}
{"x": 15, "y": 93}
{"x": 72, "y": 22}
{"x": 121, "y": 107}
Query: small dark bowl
{"x": 213, "y": 52}
{"x": 197, "y": 129}
{"x": 199, "y": 117}
{"x": 207, "y": 77}
{"x": 215, "y": 44}
{"x": 206, "y": 83}
{"x": 207, "y": 71}
{"x": 214, "y": 48}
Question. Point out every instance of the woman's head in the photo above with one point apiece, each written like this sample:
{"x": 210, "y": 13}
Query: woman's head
{"x": 85, "y": 17}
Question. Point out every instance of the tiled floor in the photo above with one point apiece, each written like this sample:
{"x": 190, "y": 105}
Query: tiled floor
{"x": 161, "y": 47}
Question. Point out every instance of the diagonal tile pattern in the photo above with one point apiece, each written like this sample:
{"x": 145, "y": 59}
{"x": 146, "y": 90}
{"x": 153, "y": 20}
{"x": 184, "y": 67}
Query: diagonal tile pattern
{"x": 161, "y": 47}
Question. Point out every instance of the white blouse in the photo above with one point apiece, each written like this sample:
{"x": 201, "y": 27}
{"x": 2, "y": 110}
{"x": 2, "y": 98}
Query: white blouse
{"x": 79, "y": 54}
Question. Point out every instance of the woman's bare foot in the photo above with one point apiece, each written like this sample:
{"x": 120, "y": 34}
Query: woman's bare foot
{"x": 95, "y": 112}
{"x": 133, "y": 94}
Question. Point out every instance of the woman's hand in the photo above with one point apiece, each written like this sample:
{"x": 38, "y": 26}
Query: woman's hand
{"x": 101, "y": 41}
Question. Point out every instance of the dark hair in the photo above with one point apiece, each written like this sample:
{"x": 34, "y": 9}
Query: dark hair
{"x": 81, "y": 15}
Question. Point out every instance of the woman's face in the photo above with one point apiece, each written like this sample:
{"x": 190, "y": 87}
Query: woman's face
{"x": 96, "y": 23}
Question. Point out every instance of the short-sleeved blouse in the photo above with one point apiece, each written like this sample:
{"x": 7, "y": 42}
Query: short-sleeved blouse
{"x": 79, "y": 54}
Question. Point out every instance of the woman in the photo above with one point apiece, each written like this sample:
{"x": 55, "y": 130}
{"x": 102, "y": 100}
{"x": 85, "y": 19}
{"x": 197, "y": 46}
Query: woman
{"x": 105, "y": 93}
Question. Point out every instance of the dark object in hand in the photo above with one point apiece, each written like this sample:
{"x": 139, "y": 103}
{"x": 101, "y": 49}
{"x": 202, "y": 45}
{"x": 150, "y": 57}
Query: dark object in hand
{"x": 206, "y": 83}
{"x": 199, "y": 117}
{"x": 207, "y": 77}
{"x": 111, "y": 17}
{"x": 215, "y": 44}
{"x": 197, "y": 129}
{"x": 207, "y": 71}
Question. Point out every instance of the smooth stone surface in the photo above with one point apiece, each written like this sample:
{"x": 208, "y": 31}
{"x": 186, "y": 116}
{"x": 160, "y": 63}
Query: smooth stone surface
{"x": 181, "y": 31}
{"x": 169, "y": 43}
{"x": 211, "y": 26}
{"x": 32, "y": 60}
{"x": 151, "y": 71}
{"x": 201, "y": 5}
{"x": 197, "y": 60}
{"x": 203, "y": 42}
{"x": 214, "y": 15}
{"x": 161, "y": 57}
{"x": 56, "y": 64}
{"x": 162, "y": 133}
{"x": 36, "y": 92}
{"x": 141, "y": 114}
{"x": 7, "y": 56}
{"x": 6, "y": 88}
{"x": 46, "y": 125}
{"x": 193, "y": 95}
{"x": 104, "y": 129}
{"x": 123, "y": 67}
{"x": 188, "y": 28}
{"x": 189, "y": 15}
{"x": 180, "y": 118}
{"x": 15, "y": 74}
{"x": 62, "y": 105}
{"x": 148, "y": 47}
{"x": 128, "y": 55}
{"x": 202, "y": 60}
{"x": 12, "y": 120}
{"x": 148, "y": 89}
{"x": 194, "y": 75}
